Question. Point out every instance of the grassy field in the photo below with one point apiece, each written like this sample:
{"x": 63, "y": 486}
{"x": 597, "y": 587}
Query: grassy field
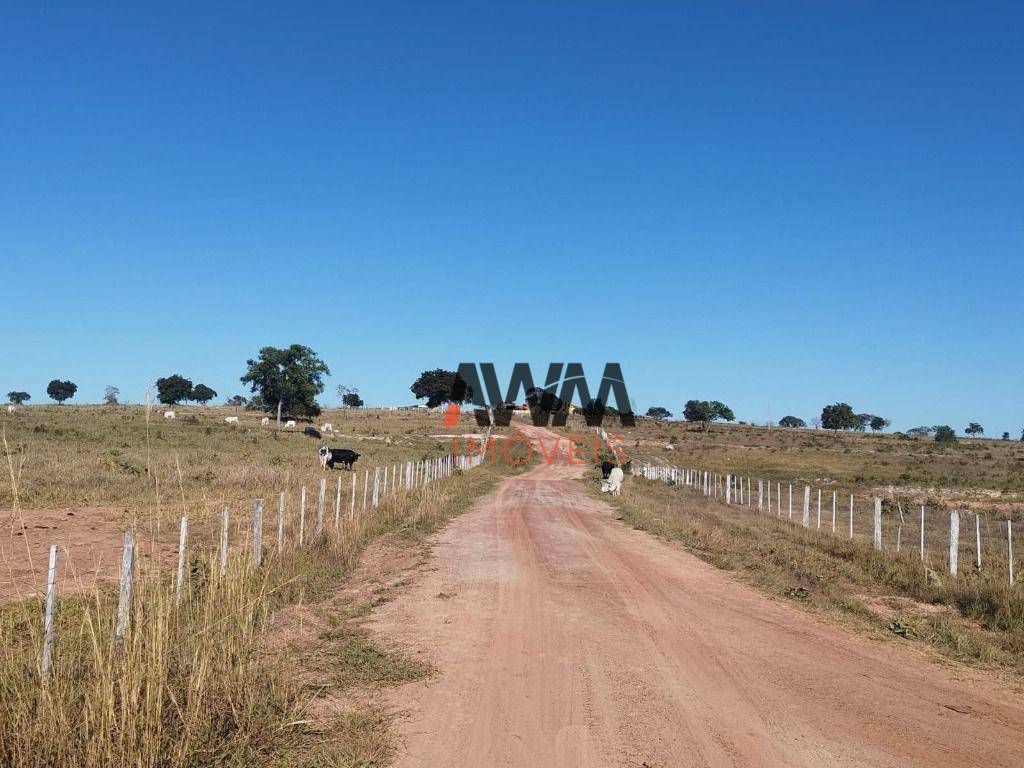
{"x": 979, "y": 471}
{"x": 197, "y": 684}
{"x": 98, "y": 456}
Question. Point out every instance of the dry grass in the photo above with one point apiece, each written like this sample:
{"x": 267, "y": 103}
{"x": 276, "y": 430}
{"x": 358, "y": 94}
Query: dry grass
{"x": 975, "y": 617}
{"x": 196, "y": 684}
{"x": 107, "y": 456}
{"x": 990, "y": 472}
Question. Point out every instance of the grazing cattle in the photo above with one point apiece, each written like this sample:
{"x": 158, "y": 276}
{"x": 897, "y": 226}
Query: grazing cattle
{"x": 331, "y": 456}
{"x": 328, "y": 427}
{"x": 312, "y": 432}
{"x": 11, "y": 409}
{"x": 230, "y": 419}
{"x": 614, "y": 482}
{"x": 606, "y": 467}
{"x": 289, "y": 424}
{"x": 264, "y": 421}
{"x": 168, "y": 414}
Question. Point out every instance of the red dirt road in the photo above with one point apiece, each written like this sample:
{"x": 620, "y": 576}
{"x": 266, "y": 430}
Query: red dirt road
{"x": 564, "y": 638}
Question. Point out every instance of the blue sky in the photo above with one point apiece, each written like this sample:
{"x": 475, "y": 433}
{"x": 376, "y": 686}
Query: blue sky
{"x": 775, "y": 205}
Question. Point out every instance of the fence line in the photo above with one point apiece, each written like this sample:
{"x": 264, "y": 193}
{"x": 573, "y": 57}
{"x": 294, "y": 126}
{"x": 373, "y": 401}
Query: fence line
{"x": 729, "y": 487}
{"x": 415, "y": 476}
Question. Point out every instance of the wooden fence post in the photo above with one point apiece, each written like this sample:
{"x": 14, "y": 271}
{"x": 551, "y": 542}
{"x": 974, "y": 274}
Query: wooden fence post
{"x": 224, "y": 521}
{"x": 51, "y": 594}
{"x": 366, "y": 486}
{"x": 728, "y": 489}
{"x": 179, "y": 579}
{"x": 790, "y": 501}
{"x": 760, "y": 495}
{"x": 851, "y": 516}
{"x": 922, "y": 533}
{"x": 320, "y": 499}
{"x": 778, "y": 499}
{"x": 954, "y": 540}
{"x": 280, "y": 522}
{"x": 807, "y": 507}
{"x": 337, "y": 504}
{"x": 834, "y": 494}
{"x": 257, "y": 532}
{"x": 878, "y": 523}
{"x": 819, "y": 508}
{"x": 977, "y": 538}
{"x": 1009, "y": 548}
{"x": 352, "y": 506}
{"x": 376, "y": 486}
{"x": 124, "y": 596}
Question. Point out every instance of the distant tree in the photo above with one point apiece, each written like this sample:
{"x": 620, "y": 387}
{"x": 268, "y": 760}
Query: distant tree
{"x": 944, "y": 434}
{"x": 236, "y": 400}
{"x": 974, "y": 428}
{"x": 877, "y": 423}
{"x": 839, "y": 416}
{"x": 658, "y": 413}
{"x": 816, "y": 422}
{"x": 705, "y": 412}
{"x": 440, "y": 386}
{"x": 61, "y": 390}
{"x": 352, "y": 400}
{"x": 18, "y": 397}
{"x": 345, "y": 389}
{"x": 546, "y": 401}
{"x": 1006, "y": 435}
{"x": 173, "y": 389}
{"x": 920, "y": 431}
{"x": 290, "y": 378}
{"x": 202, "y": 394}
{"x": 792, "y": 422}
{"x": 110, "y": 394}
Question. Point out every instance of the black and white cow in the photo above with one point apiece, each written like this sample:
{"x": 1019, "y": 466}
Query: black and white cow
{"x": 312, "y": 432}
{"x": 331, "y": 456}
{"x": 606, "y": 468}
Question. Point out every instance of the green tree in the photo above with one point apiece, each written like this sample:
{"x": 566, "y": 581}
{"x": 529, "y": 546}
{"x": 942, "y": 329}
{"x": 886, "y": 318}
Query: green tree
{"x": 944, "y": 434}
{"x": 18, "y": 397}
{"x": 839, "y": 416}
{"x": 543, "y": 399}
{"x": 878, "y": 423}
{"x": 705, "y": 412}
{"x": 61, "y": 390}
{"x": 202, "y": 394}
{"x": 110, "y": 394}
{"x": 236, "y": 400}
{"x": 290, "y": 378}
{"x": 792, "y": 422}
{"x": 974, "y": 428}
{"x": 173, "y": 389}
{"x": 1006, "y": 435}
{"x": 440, "y": 386}
{"x": 659, "y": 413}
{"x": 352, "y": 400}
{"x": 920, "y": 431}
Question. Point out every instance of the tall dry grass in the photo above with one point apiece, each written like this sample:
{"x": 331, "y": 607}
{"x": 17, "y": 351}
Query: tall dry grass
{"x": 194, "y": 684}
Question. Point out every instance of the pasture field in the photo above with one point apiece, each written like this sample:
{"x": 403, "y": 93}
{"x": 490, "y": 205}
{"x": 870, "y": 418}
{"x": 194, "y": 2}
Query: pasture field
{"x": 971, "y": 472}
{"x": 220, "y": 675}
{"x": 63, "y": 456}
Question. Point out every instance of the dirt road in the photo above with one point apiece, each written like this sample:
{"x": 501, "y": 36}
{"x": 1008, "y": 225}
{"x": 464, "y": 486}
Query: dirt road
{"x": 564, "y": 638}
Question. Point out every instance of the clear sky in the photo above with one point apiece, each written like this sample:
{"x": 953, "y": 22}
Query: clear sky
{"x": 778, "y": 205}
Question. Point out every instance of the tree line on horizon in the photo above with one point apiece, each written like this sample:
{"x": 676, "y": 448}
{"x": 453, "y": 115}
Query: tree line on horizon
{"x": 289, "y": 380}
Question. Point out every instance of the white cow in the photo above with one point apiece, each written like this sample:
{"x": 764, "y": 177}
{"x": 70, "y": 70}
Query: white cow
{"x": 613, "y": 484}
{"x": 231, "y": 419}
{"x": 264, "y": 421}
{"x": 168, "y": 414}
{"x": 289, "y": 424}
{"x": 328, "y": 427}
{"x": 11, "y": 409}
